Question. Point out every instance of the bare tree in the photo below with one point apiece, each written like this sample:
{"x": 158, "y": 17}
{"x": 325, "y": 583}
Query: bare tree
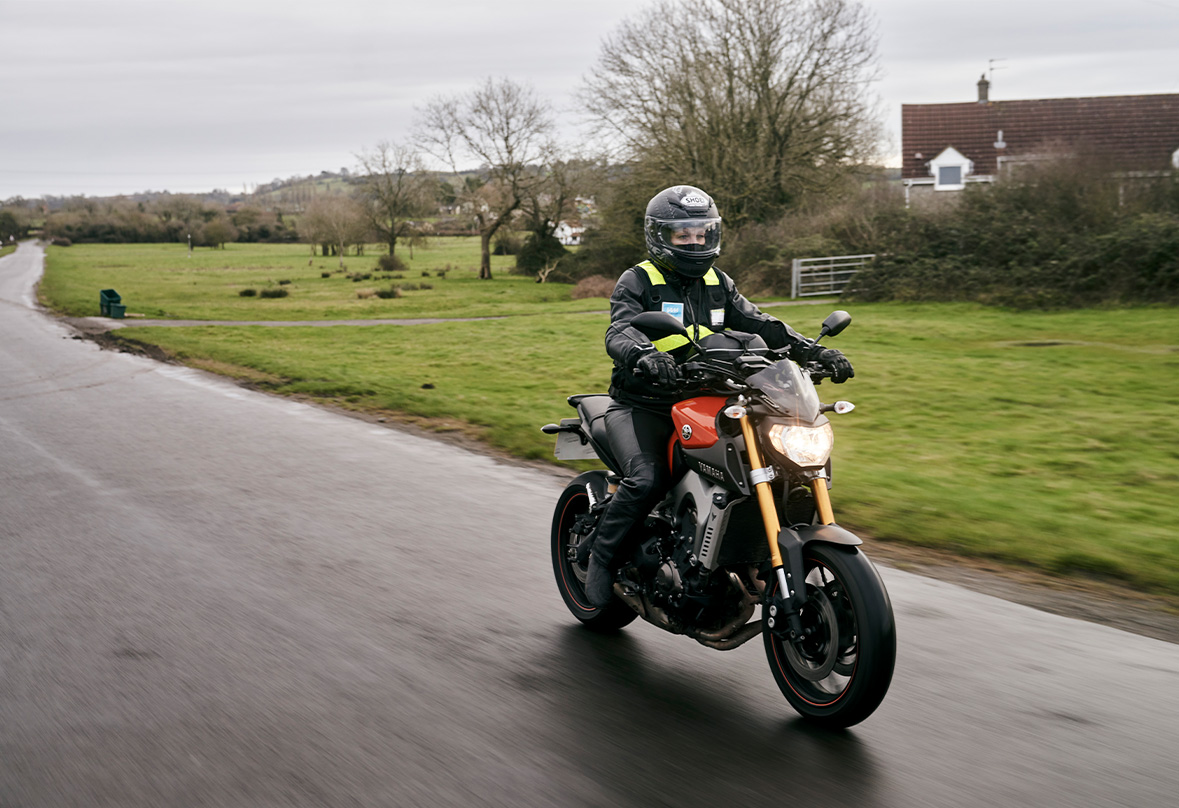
{"x": 394, "y": 188}
{"x": 757, "y": 101}
{"x": 554, "y": 196}
{"x": 504, "y": 129}
{"x": 334, "y": 219}
{"x": 416, "y": 235}
{"x": 543, "y": 273}
{"x": 549, "y": 202}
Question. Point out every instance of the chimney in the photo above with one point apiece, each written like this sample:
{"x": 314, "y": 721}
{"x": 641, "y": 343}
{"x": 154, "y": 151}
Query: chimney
{"x": 984, "y": 87}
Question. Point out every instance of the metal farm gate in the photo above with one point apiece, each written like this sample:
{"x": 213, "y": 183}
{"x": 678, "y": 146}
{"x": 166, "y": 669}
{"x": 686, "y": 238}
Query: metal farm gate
{"x": 824, "y": 276}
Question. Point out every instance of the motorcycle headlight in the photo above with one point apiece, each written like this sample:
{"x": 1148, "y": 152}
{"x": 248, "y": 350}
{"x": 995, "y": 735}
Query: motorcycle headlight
{"x": 806, "y": 446}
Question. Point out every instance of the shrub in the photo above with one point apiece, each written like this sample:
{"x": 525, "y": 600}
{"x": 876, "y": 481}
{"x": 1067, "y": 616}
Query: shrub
{"x": 1053, "y": 235}
{"x": 391, "y": 292}
{"x": 604, "y": 252}
{"x": 283, "y": 283}
{"x": 279, "y": 292}
{"x": 325, "y": 274}
{"x": 409, "y": 287}
{"x": 538, "y": 253}
{"x": 593, "y": 286}
{"x": 441, "y": 273}
{"x": 391, "y": 263}
{"x": 425, "y": 273}
{"x": 506, "y": 243}
{"x": 61, "y": 241}
{"x": 248, "y": 292}
{"x": 425, "y": 286}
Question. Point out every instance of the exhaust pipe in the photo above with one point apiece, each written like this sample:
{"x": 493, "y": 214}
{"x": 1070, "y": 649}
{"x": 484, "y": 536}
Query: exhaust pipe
{"x": 738, "y": 630}
{"x": 645, "y": 609}
{"x": 740, "y": 637}
{"x": 732, "y": 634}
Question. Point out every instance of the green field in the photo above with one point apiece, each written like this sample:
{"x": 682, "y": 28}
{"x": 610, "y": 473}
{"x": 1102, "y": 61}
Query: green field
{"x": 6, "y": 250}
{"x": 1038, "y": 439}
{"x": 161, "y": 281}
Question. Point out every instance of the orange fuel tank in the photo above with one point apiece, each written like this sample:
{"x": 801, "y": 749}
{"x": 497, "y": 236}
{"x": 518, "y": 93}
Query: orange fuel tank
{"x": 695, "y": 421}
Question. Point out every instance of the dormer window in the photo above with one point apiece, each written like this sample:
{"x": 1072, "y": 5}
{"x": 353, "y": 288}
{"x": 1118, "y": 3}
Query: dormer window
{"x": 949, "y": 170}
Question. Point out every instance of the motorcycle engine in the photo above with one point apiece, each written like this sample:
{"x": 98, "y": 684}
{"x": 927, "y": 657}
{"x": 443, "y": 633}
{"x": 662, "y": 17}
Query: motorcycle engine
{"x": 672, "y": 579}
{"x": 678, "y": 582}
{"x": 668, "y": 582}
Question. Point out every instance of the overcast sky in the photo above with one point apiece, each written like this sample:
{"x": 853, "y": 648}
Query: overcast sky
{"x": 101, "y": 97}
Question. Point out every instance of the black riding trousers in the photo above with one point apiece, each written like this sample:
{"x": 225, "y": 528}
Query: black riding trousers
{"x": 638, "y": 440}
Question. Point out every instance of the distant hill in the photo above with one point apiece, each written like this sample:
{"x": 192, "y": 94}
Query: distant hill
{"x": 282, "y": 194}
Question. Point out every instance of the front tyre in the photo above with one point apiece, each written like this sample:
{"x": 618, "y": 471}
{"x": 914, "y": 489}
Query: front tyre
{"x": 567, "y": 526}
{"x": 838, "y": 673}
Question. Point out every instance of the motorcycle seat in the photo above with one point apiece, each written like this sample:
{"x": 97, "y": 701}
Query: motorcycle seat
{"x": 592, "y": 409}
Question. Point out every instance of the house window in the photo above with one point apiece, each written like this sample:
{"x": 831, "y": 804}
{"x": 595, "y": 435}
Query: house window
{"x": 949, "y": 175}
{"x": 949, "y": 170}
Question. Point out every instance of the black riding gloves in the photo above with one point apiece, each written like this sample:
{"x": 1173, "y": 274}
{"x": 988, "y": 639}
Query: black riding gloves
{"x": 836, "y": 364}
{"x": 831, "y": 360}
{"x": 659, "y": 367}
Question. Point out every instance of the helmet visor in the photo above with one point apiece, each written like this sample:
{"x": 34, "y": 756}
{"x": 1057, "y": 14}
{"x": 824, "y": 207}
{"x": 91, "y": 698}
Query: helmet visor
{"x": 691, "y": 235}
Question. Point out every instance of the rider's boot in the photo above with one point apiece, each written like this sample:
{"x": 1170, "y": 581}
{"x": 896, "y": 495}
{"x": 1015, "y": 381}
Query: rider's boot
{"x": 599, "y": 583}
{"x": 606, "y": 541}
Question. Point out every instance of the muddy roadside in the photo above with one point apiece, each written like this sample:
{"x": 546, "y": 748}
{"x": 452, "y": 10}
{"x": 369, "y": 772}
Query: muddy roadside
{"x": 1097, "y": 601}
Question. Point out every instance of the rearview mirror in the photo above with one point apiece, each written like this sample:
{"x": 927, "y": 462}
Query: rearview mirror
{"x": 836, "y": 321}
{"x": 658, "y": 324}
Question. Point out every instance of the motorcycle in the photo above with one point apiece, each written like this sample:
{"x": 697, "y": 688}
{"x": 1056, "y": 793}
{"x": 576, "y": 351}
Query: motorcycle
{"x": 747, "y": 522}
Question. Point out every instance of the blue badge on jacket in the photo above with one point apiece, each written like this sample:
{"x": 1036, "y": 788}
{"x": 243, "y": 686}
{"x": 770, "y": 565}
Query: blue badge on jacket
{"x": 676, "y": 310}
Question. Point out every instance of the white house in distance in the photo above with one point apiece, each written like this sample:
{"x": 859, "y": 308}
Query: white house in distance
{"x": 568, "y": 234}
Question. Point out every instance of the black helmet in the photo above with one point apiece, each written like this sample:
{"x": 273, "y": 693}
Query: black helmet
{"x": 683, "y": 230}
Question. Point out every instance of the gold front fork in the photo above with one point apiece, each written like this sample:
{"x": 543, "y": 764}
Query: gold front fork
{"x": 769, "y": 513}
{"x": 822, "y": 501}
{"x": 765, "y": 495}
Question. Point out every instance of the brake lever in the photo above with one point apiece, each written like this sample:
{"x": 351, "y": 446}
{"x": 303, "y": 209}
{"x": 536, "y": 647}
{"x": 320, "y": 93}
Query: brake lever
{"x": 817, "y": 372}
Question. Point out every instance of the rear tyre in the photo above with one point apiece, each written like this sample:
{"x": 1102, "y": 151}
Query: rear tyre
{"x": 839, "y": 672}
{"x": 574, "y": 503}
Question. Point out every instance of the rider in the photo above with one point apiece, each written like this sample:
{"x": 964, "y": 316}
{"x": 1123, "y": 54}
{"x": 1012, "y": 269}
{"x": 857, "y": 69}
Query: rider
{"x": 683, "y": 234}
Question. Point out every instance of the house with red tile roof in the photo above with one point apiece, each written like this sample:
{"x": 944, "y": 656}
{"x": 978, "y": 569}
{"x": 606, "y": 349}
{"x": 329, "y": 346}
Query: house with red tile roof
{"x": 947, "y": 146}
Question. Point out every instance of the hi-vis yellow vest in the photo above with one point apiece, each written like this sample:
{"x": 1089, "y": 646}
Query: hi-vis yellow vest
{"x": 675, "y": 340}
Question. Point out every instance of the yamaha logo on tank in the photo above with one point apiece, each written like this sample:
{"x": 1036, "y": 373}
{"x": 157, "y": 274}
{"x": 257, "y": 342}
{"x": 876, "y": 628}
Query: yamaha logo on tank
{"x": 686, "y": 431}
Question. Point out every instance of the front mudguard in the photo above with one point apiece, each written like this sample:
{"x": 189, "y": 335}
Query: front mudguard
{"x": 792, "y": 541}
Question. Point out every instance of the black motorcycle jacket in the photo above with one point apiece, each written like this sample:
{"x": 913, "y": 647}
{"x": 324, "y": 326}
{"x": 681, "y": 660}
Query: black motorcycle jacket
{"x": 705, "y": 305}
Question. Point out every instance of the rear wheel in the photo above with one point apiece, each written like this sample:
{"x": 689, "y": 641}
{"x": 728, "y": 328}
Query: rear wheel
{"x": 839, "y": 671}
{"x": 567, "y": 526}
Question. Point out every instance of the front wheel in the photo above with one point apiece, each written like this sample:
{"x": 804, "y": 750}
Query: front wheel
{"x": 567, "y": 534}
{"x": 839, "y": 671}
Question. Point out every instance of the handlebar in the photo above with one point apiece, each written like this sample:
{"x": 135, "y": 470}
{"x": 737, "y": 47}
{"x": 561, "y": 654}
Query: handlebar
{"x": 695, "y": 371}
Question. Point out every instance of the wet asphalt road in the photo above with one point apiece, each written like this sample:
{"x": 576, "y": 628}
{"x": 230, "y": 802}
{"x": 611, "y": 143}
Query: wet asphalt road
{"x": 215, "y": 597}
